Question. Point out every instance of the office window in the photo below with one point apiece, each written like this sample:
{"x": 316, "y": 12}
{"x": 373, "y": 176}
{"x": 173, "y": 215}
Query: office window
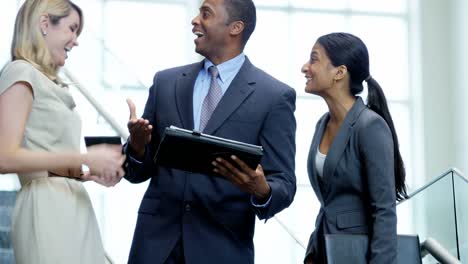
{"x": 154, "y": 39}
{"x": 8, "y": 11}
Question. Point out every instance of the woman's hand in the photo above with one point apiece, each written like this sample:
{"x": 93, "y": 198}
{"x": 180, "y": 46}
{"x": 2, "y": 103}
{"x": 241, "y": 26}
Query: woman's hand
{"x": 105, "y": 164}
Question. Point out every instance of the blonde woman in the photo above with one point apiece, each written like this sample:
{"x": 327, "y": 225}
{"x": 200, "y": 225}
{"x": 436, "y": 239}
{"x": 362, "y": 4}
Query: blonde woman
{"x": 53, "y": 219}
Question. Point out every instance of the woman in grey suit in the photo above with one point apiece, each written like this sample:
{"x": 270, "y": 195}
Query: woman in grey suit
{"x": 354, "y": 164}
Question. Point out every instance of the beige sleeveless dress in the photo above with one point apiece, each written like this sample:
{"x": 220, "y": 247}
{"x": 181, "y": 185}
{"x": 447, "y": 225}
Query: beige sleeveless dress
{"x": 53, "y": 219}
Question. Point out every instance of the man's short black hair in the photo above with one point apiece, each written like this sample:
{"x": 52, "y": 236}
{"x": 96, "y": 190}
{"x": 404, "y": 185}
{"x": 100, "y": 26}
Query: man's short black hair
{"x": 242, "y": 10}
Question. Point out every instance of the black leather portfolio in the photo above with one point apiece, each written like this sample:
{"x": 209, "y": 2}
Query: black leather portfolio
{"x": 93, "y": 140}
{"x": 194, "y": 151}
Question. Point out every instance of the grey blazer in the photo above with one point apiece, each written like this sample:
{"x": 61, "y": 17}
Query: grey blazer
{"x": 357, "y": 192}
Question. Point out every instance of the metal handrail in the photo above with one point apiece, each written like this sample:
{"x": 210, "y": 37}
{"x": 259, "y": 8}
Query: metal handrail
{"x": 431, "y": 245}
{"x": 435, "y": 249}
{"x": 290, "y": 232}
{"x": 450, "y": 171}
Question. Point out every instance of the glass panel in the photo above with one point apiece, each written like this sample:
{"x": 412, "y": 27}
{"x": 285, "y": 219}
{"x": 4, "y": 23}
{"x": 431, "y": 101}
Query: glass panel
{"x": 430, "y": 213}
{"x": 388, "y": 52}
{"x": 384, "y": 6}
{"x": 461, "y": 195}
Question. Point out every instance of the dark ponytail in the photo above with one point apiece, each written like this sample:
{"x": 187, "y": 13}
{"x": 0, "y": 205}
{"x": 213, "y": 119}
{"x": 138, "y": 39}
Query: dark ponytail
{"x": 378, "y": 103}
{"x": 349, "y": 50}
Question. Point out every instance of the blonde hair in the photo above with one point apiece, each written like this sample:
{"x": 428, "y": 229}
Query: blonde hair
{"x": 28, "y": 42}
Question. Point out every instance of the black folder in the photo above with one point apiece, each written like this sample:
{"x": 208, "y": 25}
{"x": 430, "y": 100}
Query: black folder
{"x": 194, "y": 151}
{"x": 94, "y": 140}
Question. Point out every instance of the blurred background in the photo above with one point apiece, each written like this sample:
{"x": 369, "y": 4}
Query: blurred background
{"x": 417, "y": 54}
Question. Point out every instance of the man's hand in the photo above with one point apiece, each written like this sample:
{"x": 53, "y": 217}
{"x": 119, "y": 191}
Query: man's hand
{"x": 242, "y": 176}
{"x": 140, "y": 131}
{"x": 309, "y": 260}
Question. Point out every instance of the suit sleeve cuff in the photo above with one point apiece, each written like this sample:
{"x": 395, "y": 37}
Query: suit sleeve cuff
{"x": 128, "y": 152}
{"x": 258, "y": 206}
{"x": 255, "y": 203}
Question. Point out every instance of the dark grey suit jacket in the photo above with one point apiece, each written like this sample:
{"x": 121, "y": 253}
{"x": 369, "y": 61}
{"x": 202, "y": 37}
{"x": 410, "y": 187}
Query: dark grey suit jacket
{"x": 357, "y": 193}
{"x": 214, "y": 219}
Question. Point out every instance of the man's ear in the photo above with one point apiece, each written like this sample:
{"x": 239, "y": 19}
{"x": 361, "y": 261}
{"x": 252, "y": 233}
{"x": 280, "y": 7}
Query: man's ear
{"x": 341, "y": 72}
{"x": 236, "y": 28}
{"x": 44, "y": 23}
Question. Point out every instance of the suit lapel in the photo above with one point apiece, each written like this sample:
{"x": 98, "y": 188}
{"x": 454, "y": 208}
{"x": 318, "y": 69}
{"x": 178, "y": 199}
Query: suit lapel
{"x": 341, "y": 140}
{"x": 313, "y": 174}
{"x": 184, "y": 94}
{"x": 239, "y": 89}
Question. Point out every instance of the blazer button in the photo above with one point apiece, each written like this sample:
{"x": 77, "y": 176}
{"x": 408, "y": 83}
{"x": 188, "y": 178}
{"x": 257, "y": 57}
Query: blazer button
{"x": 187, "y": 207}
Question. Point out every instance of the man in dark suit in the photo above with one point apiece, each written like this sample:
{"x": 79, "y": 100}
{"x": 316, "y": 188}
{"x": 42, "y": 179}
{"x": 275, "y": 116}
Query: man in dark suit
{"x": 193, "y": 218}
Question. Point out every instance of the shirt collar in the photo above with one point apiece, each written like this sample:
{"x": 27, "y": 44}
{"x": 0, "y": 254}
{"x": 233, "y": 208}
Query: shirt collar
{"x": 227, "y": 69}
